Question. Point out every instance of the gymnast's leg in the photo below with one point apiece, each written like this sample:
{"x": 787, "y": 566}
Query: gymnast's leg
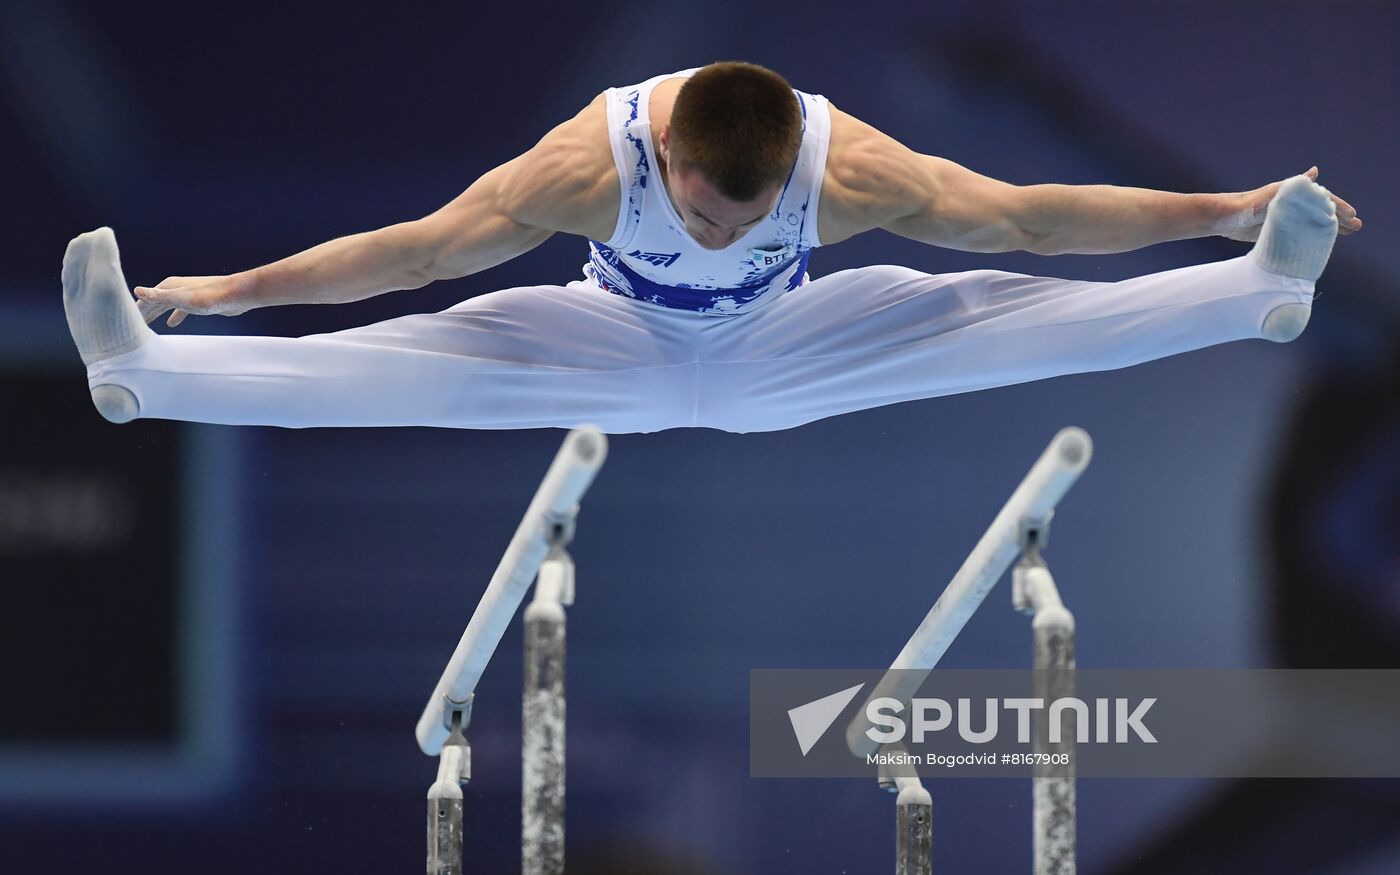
{"x": 540, "y": 356}
{"x": 864, "y": 338}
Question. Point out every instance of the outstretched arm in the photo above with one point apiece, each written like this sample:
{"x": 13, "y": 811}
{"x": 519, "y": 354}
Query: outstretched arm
{"x": 884, "y": 184}
{"x": 507, "y": 212}
{"x": 967, "y": 208}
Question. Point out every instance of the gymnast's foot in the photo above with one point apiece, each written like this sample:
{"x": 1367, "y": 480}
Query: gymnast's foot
{"x": 1296, "y": 241}
{"x": 102, "y": 314}
{"x": 1300, "y": 227}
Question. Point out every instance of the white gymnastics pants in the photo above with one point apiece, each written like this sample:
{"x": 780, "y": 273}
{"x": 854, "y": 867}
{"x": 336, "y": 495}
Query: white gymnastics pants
{"x": 563, "y": 356}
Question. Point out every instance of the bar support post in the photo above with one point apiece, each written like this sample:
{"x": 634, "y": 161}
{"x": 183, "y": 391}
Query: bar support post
{"x": 913, "y": 818}
{"x": 1052, "y": 781}
{"x": 445, "y": 800}
{"x": 543, "y": 764}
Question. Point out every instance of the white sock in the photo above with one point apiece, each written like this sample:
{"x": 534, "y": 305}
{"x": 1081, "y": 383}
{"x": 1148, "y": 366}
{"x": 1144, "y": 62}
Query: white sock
{"x": 1300, "y": 227}
{"x": 102, "y": 314}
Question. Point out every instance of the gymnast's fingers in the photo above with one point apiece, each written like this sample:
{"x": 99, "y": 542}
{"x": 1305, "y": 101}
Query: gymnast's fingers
{"x": 150, "y": 310}
{"x": 1347, "y": 220}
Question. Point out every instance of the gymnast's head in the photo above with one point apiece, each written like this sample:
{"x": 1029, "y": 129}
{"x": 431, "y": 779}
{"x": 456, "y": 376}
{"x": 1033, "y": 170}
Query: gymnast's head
{"x": 734, "y": 134}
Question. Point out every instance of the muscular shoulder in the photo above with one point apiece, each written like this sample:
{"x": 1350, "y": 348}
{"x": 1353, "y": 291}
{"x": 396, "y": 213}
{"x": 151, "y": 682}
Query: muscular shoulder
{"x": 567, "y": 182}
{"x": 870, "y": 179}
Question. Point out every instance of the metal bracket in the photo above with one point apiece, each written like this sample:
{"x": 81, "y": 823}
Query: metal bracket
{"x": 456, "y": 716}
{"x": 556, "y": 577}
{"x": 459, "y": 740}
{"x": 560, "y": 530}
{"x": 894, "y": 778}
{"x": 1035, "y": 535}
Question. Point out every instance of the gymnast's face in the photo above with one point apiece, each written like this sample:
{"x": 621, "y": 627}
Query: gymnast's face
{"x": 711, "y": 219}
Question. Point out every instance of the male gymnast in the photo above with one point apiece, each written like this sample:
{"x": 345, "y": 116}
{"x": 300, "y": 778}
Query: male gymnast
{"x": 702, "y": 194}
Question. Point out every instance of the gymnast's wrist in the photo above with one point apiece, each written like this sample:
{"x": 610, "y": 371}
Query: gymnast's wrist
{"x": 248, "y": 289}
{"x": 1230, "y": 213}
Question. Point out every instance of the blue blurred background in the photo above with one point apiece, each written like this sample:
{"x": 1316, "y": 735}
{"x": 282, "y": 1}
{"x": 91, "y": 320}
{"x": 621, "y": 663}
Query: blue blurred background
{"x": 215, "y": 642}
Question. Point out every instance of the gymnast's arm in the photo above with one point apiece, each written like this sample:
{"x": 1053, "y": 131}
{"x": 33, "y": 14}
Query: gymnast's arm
{"x": 561, "y": 184}
{"x": 878, "y": 183}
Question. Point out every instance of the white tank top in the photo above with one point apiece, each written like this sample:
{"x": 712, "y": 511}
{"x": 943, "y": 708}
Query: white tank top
{"x": 651, "y": 258}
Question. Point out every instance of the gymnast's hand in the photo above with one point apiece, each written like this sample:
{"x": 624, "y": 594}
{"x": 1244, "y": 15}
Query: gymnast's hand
{"x": 1247, "y": 221}
{"x": 198, "y": 295}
